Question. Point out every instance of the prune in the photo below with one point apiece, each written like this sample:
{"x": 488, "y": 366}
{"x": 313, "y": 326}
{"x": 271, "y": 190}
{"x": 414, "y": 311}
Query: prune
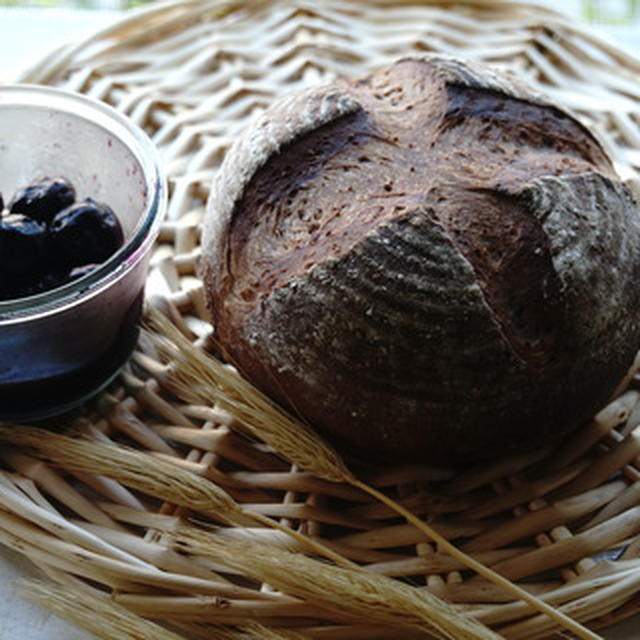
{"x": 47, "y": 241}
{"x": 87, "y": 232}
{"x": 21, "y": 244}
{"x": 41, "y": 200}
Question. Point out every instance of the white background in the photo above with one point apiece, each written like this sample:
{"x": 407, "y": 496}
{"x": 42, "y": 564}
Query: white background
{"x": 27, "y": 35}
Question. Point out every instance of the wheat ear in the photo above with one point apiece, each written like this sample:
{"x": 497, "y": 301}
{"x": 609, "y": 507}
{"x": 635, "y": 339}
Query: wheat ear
{"x": 151, "y": 475}
{"x": 97, "y": 614}
{"x": 200, "y": 378}
{"x": 344, "y": 592}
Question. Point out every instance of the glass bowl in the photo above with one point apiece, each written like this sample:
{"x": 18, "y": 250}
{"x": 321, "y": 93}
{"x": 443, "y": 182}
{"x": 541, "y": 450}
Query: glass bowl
{"x": 62, "y": 346}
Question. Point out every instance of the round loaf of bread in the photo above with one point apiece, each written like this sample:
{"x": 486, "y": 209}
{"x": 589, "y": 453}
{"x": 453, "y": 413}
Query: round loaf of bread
{"x": 430, "y": 263}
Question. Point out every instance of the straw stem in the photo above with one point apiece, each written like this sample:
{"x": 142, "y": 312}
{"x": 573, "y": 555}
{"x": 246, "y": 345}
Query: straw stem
{"x": 487, "y": 573}
{"x": 198, "y": 377}
{"x": 100, "y": 614}
{"x": 154, "y": 476}
{"x": 97, "y": 614}
{"x": 342, "y": 591}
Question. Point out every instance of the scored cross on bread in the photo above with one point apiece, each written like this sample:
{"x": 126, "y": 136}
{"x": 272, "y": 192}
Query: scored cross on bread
{"x": 430, "y": 263}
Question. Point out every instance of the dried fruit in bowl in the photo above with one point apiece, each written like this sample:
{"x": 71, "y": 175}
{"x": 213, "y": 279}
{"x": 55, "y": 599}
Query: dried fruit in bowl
{"x": 48, "y": 240}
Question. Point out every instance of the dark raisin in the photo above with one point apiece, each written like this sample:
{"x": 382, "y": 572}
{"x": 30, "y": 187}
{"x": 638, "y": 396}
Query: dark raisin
{"x": 85, "y": 233}
{"x": 41, "y": 200}
{"x": 21, "y": 245}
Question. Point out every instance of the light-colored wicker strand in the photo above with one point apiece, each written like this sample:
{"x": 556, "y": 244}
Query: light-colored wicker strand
{"x": 192, "y": 73}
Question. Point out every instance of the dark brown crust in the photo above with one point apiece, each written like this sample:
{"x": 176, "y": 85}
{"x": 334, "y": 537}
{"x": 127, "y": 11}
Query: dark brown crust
{"x": 441, "y": 267}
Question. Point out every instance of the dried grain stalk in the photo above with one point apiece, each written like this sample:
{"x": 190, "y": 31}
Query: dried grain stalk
{"x": 199, "y": 378}
{"x": 163, "y": 479}
{"x": 151, "y": 475}
{"x": 95, "y": 613}
{"x": 341, "y": 591}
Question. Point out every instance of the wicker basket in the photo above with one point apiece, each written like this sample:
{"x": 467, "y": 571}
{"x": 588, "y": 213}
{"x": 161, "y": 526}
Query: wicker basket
{"x": 563, "y": 524}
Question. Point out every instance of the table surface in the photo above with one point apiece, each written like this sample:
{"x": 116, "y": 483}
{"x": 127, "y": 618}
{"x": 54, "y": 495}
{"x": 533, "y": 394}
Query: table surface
{"x": 26, "y": 35}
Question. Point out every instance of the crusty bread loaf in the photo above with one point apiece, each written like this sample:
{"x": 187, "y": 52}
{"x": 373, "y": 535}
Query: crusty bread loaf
{"x": 429, "y": 263}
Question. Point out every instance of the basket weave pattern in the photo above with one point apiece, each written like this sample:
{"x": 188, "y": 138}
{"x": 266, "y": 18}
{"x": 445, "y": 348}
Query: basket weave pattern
{"x": 564, "y": 522}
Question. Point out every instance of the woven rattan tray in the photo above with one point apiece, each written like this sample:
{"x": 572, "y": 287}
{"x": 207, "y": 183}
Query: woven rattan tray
{"x": 563, "y": 524}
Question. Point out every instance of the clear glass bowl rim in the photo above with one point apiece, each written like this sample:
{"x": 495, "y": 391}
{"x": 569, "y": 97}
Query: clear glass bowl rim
{"x": 147, "y": 228}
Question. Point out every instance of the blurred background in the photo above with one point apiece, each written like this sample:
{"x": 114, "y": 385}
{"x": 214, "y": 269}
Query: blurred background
{"x": 31, "y": 28}
{"x": 615, "y": 11}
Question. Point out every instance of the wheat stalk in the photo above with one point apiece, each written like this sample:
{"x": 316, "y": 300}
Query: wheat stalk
{"x": 200, "y": 378}
{"x": 341, "y": 591}
{"x": 165, "y": 480}
{"x": 95, "y": 613}
{"x": 151, "y": 475}
{"x": 136, "y": 469}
